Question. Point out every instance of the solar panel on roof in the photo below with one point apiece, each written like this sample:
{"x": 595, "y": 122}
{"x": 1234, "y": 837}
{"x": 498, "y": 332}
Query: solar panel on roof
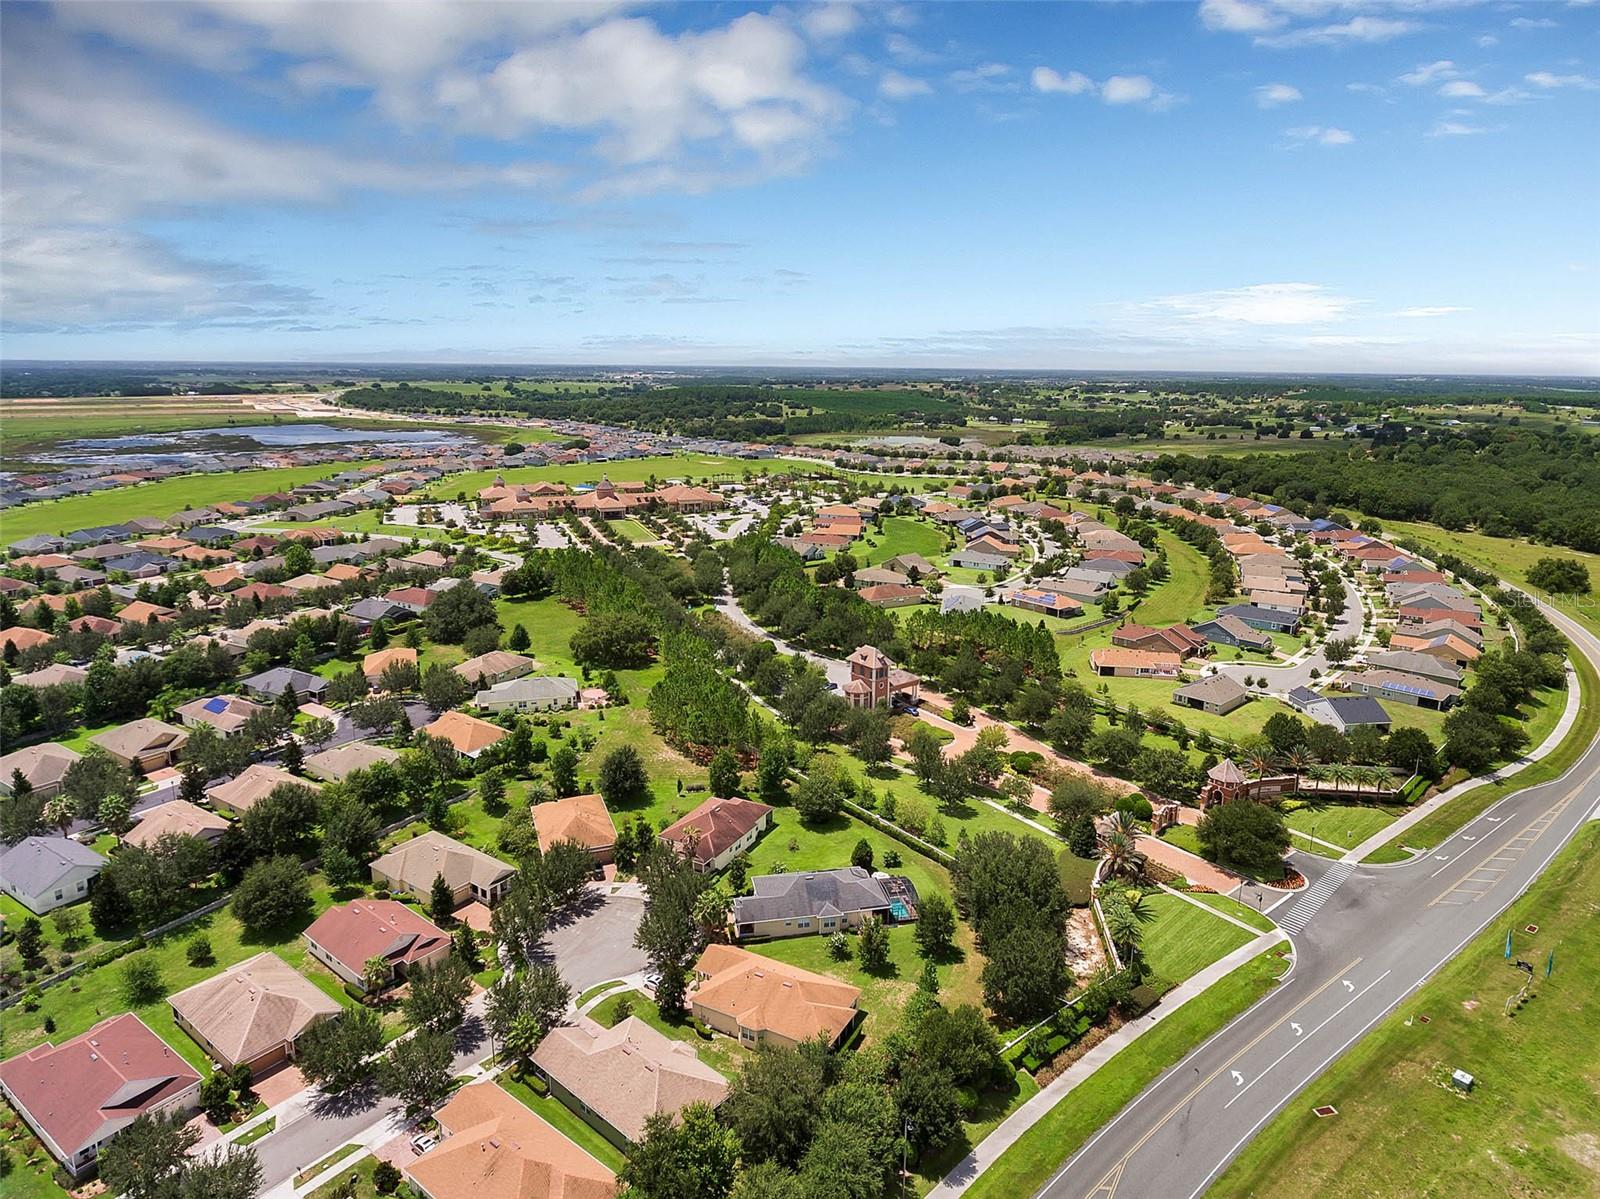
{"x": 216, "y": 705}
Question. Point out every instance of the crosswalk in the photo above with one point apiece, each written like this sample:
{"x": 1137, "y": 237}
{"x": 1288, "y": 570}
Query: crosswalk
{"x": 1307, "y": 906}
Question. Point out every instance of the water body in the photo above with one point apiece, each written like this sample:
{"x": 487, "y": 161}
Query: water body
{"x": 191, "y": 447}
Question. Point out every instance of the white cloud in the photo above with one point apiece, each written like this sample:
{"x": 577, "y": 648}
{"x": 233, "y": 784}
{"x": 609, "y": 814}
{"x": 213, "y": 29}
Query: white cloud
{"x": 1116, "y": 90}
{"x": 1551, "y": 81}
{"x": 1367, "y": 89}
{"x": 1428, "y": 311}
{"x": 1533, "y": 23}
{"x": 1488, "y": 39}
{"x": 1462, "y": 89}
{"x": 1239, "y": 16}
{"x": 1356, "y": 30}
{"x": 985, "y": 77}
{"x": 1073, "y": 83}
{"x": 1454, "y": 128}
{"x": 1321, "y": 135}
{"x": 1259, "y": 304}
{"x": 1271, "y": 95}
{"x": 1431, "y": 72}
{"x": 826, "y": 21}
{"x": 896, "y": 86}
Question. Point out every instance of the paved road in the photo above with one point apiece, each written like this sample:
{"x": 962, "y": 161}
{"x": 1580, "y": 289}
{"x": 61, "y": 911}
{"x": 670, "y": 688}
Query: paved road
{"x": 1379, "y": 933}
{"x": 1283, "y": 679}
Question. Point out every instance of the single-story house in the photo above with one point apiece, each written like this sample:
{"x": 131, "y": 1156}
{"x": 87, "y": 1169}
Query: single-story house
{"x": 814, "y": 902}
{"x": 45, "y": 873}
{"x": 617, "y": 1078}
{"x": 225, "y": 713}
{"x": 370, "y": 611}
{"x": 496, "y": 1148}
{"x": 1135, "y": 663}
{"x": 270, "y": 684}
{"x": 496, "y": 666}
{"x": 758, "y": 1000}
{"x": 57, "y": 674}
{"x": 177, "y": 816}
{"x": 378, "y": 661}
{"x": 893, "y": 595}
{"x": 251, "y": 785}
{"x": 24, "y": 638}
{"x": 413, "y": 865}
{"x": 581, "y": 818}
{"x": 1048, "y": 603}
{"x": 349, "y": 935}
{"x": 718, "y": 831}
{"x": 336, "y": 764}
{"x": 1177, "y": 639}
{"x": 43, "y": 766}
{"x": 870, "y": 576}
{"x": 1426, "y": 665}
{"x": 1343, "y": 712}
{"x": 1230, "y": 630}
{"x": 1263, "y": 618}
{"x": 467, "y": 734}
{"x": 542, "y": 693}
{"x": 1446, "y": 647}
{"x": 1218, "y": 694}
{"x": 1413, "y": 689}
{"x": 974, "y": 560}
{"x": 143, "y": 745}
{"x": 252, "y": 1013}
{"x": 77, "y": 1096}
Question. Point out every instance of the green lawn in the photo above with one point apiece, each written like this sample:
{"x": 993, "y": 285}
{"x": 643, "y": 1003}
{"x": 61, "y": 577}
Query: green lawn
{"x": 1527, "y": 1129}
{"x": 1239, "y": 911}
{"x": 32, "y": 1172}
{"x": 993, "y": 1107}
{"x": 1183, "y": 593}
{"x": 362, "y": 1170}
{"x": 1039, "y": 1152}
{"x": 630, "y": 530}
{"x": 901, "y": 535}
{"x": 161, "y": 498}
{"x": 1181, "y": 940}
{"x": 1183, "y": 836}
{"x": 1347, "y": 825}
{"x": 556, "y": 1114}
{"x": 662, "y": 467}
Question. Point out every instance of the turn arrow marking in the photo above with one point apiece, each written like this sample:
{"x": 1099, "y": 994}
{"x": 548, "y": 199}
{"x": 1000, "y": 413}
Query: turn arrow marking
{"x": 1238, "y": 1079}
{"x": 1297, "y": 1029}
{"x": 1348, "y": 985}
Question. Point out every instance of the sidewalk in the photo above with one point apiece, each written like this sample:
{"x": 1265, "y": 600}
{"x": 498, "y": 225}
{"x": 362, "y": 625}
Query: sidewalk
{"x": 1421, "y": 812}
{"x": 1030, "y": 1113}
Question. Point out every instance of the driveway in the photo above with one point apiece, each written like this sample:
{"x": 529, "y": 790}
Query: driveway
{"x": 597, "y": 944}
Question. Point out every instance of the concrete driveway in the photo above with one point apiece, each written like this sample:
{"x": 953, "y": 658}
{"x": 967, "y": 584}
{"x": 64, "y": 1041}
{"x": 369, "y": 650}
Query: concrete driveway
{"x": 597, "y": 944}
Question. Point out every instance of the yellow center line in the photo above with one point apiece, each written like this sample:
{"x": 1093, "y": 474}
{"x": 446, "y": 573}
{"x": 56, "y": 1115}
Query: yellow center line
{"x": 1108, "y": 1184}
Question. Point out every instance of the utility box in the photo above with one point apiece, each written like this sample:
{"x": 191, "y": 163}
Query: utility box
{"x": 1462, "y": 1080}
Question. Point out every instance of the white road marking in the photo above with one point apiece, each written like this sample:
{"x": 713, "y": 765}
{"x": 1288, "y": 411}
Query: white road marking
{"x": 1348, "y": 985}
{"x": 1238, "y": 1079}
{"x": 1331, "y": 1016}
{"x": 1297, "y": 1029}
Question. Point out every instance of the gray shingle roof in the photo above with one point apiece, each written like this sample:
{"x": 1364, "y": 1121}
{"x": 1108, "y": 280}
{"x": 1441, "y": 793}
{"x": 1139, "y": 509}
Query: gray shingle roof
{"x": 33, "y": 865}
{"x": 814, "y": 893}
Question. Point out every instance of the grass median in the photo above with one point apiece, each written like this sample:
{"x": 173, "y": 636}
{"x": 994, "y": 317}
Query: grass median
{"x": 1528, "y": 1126}
{"x": 1039, "y": 1152}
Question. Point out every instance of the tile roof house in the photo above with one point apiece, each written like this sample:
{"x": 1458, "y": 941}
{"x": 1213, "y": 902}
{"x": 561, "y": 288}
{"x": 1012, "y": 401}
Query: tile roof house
{"x": 252, "y": 1013}
{"x": 542, "y": 693}
{"x": 1218, "y": 694}
{"x": 345, "y": 937}
{"x": 1135, "y": 663}
{"x": 581, "y": 818}
{"x": 333, "y": 765}
{"x": 496, "y": 666}
{"x": 143, "y": 745}
{"x": 177, "y": 816}
{"x": 45, "y": 873}
{"x": 375, "y": 663}
{"x": 467, "y": 734}
{"x": 812, "y": 902}
{"x": 718, "y": 831}
{"x": 1177, "y": 639}
{"x": 757, "y": 1000}
{"x": 24, "y": 638}
{"x": 77, "y": 1096}
{"x": 225, "y": 713}
{"x": 470, "y": 873}
{"x": 251, "y": 785}
{"x": 44, "y": 766}
{"x": 617, "y": 1078}
{"x": 497, "y": 1148}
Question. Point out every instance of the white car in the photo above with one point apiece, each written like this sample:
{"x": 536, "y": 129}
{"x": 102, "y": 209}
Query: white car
{"x": 423, "y": 1142}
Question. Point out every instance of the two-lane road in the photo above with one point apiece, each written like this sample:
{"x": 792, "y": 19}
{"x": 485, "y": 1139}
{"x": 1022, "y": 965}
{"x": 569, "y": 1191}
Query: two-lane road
{"x": 1376, "y": 938}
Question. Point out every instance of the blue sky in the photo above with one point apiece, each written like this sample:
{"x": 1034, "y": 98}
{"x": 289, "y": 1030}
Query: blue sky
{"x": 1239, "y": 184}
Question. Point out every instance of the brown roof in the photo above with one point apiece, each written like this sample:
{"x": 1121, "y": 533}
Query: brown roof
{"x": 498, "y": 1149}
{"x": 253, "y": 1007}
{"x": 419, "y": 861}
{"x": 718, "y": 824}
{"x": 225, "y": 713}
{"x": 628, "y": 1073}
{"x": 23, "y": 637}
{"x": 468, "y": 734}
{"x": 581, "y": 818}
{"x": 368, "y": 928}
{"x": 495, "y": 664}
{"x": 175, "y": 816}
{"x": 1116, "y": 656}
{"x": 138, "y": 737}
{"x": 94, "y": 1085}
{"x": 42, "y": 765}
{"x": 341, "y": 760}
{"x": 252, "y": 785}
{"x": 375, "y": 663}
{"x": 773, "y": 996}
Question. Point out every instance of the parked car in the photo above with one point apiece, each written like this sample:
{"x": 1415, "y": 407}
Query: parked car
{"x": 423, "y": 1142}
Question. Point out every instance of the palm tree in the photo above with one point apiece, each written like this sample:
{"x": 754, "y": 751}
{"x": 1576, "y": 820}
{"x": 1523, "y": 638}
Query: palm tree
{"x": 1341, "y": 775}
{"x": 1124, "y": 822}
{"x": 1299, "y": 760}
{"x": 1121, "y": 854}
{"x": 1260, "y": 762}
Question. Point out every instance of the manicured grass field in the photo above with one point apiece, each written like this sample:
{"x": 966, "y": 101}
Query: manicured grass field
{"x": 630, "y": 530}
{"x": 161, "y": 498}
{"x": 1343, "y": 824}
{"x": 1181, "y": 940}
{"x": 364, "y": 1189}
{"x": 662, "y": 467}
{"x": 1039, "y": 1152}
{"x": 1528, "y": 1128}
{"x": 1239, "y": 911}
{"x": 901, "y": 535}
{"x": 1185, "y": 589}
